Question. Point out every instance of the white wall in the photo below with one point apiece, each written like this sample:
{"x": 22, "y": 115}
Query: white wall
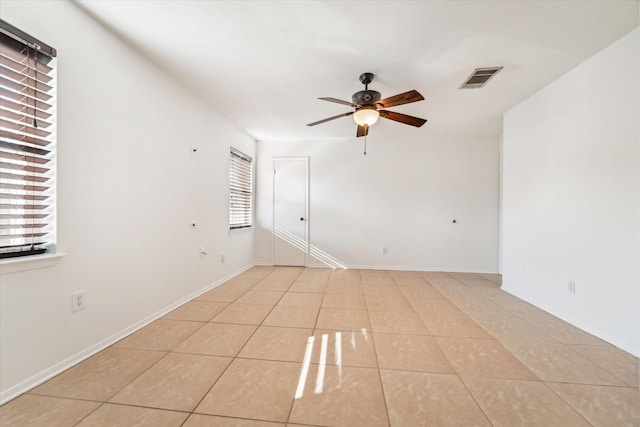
{"x": 128, "y": 186}
{"x": 571, "y": 196}
{"x": 403, "y": 195}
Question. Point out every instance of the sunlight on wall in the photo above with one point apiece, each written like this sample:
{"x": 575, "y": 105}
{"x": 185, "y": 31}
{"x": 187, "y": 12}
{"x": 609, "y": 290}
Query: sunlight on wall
{"x": 301, "y": 244}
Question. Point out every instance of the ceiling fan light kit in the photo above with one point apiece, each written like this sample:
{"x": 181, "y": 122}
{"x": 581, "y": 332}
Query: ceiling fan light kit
{"x": 369, "y": 107}
{"x": 366, "y": 116}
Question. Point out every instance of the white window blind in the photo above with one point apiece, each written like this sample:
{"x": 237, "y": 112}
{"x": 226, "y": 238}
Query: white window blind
{"x": 27, "y": 146}
{"x": 240, "y": 188}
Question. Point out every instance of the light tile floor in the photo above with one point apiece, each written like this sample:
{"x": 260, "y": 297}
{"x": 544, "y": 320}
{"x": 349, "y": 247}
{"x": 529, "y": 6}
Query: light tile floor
{"x": 286, "y": 346}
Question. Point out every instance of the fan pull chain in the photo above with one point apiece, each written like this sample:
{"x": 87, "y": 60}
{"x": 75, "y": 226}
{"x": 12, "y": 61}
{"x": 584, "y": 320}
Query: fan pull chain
{"x": 365, "y": 145}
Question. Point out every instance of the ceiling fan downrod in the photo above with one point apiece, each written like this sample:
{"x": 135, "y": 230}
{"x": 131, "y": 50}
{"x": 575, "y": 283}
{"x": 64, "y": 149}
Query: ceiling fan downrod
{"x": 365, "y": 79}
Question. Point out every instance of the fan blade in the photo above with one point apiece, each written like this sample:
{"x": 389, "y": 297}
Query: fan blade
{"x": 403, "y": 98}
{"x": 340, "y": 101}
{"x": 331, "y": 118}
{"x": 362, "y": 131}
{"x": 402, "y": 118}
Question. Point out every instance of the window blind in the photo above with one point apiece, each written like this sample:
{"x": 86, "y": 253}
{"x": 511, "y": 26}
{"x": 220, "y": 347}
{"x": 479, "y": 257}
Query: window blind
{"x": 27, "y": 104}
{"x": 240, "y": 188}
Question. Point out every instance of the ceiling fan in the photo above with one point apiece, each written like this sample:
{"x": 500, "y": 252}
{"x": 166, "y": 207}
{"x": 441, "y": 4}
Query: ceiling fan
{"x": 369, "y": 107}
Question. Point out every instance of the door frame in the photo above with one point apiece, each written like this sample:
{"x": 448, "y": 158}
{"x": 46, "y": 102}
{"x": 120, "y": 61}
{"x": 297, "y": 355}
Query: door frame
{"x": 306, "y": 206}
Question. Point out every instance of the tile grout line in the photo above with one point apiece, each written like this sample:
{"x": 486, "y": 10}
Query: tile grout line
{"x": 498, "y": 341}
{"x": 458, "y": 376}
{"x": 233, "y": 358}
{"x": 375, "y": 350}
{"x": 293, "y": 401}
{"x": 228, "y": 365}
{"x": 486, "y": 417}
{"x": 154, "y": 364}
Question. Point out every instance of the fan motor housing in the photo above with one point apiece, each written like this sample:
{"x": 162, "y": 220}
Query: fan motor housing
{"x": 366, "y": 97}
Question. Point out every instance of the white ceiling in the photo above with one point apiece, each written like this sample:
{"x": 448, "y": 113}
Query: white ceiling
{"x": 263, "y": 64}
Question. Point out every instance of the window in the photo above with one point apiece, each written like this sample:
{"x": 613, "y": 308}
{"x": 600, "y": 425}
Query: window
{"x": 27, "y": 145}
{"x": 240, "y": 199}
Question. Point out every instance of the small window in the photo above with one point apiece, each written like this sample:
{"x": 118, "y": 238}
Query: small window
{"x": 240, "y": 190}
{"x": 27, "y": 143}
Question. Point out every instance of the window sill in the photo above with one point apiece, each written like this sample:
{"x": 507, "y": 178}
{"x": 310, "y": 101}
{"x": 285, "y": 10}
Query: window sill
{"x": 25, "y": 263}
{"x": 241, "y": 230}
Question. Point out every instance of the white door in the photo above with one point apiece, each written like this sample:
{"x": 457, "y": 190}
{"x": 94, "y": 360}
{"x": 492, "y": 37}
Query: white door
{"x": 290, "y": 208}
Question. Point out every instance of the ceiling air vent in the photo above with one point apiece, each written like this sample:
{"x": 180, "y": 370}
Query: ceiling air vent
{"x": 480, "y": 77}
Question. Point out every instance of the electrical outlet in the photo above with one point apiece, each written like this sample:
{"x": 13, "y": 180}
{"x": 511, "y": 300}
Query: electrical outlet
{"x": 77, "y": 301}
{"x": 222, "y": 258}
{"x": 384, "y": 250}
{"x": 572, "y": 287}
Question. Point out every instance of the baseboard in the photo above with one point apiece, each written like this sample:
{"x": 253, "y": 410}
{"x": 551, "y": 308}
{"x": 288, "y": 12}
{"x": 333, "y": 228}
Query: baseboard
{"x": 395, "y": 268}
{"x": 389, "y": 268}
{"x": 624, "y": 345}
{"x": 425, "y": 269}
{"x": 58, "y": 368}
{"x": 269, "y": 264}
